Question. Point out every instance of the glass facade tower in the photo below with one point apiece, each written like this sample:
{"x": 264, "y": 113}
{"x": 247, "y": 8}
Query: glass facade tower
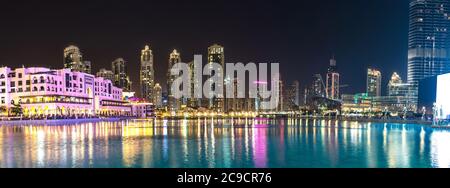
{"x": 429, "y": 40}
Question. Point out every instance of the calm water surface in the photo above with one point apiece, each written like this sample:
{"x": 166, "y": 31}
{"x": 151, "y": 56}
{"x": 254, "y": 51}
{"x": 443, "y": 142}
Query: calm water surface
{"x": 209, "y": 143}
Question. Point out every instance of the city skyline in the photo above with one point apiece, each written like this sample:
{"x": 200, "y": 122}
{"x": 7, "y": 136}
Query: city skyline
{"x": 224, "y": 85}
{"x": 256, "y": 36}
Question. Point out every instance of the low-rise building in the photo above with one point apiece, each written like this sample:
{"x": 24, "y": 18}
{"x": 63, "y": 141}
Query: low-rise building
{"x": 47, "y": 92}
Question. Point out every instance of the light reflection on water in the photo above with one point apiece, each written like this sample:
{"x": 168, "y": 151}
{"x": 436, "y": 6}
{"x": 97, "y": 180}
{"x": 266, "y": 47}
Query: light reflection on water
{"x": 210, "y": 143}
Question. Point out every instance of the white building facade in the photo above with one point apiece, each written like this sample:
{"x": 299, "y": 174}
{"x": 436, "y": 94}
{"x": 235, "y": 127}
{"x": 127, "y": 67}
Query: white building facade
{"x": 47, "y": 92}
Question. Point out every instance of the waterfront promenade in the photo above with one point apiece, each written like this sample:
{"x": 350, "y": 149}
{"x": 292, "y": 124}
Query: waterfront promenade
{"x": 61, "y": 121}
{"x": 373, "y": 120}
{"x": 17, "y": 121}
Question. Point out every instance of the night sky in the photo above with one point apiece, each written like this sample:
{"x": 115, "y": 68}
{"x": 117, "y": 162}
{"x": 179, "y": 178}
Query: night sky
{"x": 300, "y": 35}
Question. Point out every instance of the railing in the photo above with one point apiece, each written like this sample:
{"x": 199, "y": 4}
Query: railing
{"x": 48, "y": 102}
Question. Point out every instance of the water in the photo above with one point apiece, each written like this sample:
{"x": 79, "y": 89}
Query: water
{"x": 210, "y": 143}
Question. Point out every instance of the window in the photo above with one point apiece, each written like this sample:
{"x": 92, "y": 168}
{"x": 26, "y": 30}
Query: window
{"x": 34, "y": 88}
{"x": 13, "y": 84}
{"x": 35, "y": 81}
{"x": 42, "y": 80}
{"x": 3, "y": 91}
{"x": 28, "y": 89}
{"x": 20, "y": 83}
{"x": 28, "y": 82}
{"x": 13, "y": 90}
{"x": 20, "y": 90}
{"x": 20, "y": 75}
{"x": 2, "y": 76}
{"x": 3, "y": 83}
{"x": 42, "y": 88}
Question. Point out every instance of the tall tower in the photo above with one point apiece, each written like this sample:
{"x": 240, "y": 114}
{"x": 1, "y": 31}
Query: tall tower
{"x": 174, "y": 58}
{"x": 296, "y": 88}
{"x": 318, "y": 87}
{"x": 216, "y": 55}
{"x": 157, "y": 90}
{"x": 429, "y": 39}
{"x": 193, "y": 102}
{"x": 73, "y": 60}
{"x": 147, "y": 74}
{"x": 373, "y": 83}
{"x": 121, "y": 79}
{"x": 332, "y": 83}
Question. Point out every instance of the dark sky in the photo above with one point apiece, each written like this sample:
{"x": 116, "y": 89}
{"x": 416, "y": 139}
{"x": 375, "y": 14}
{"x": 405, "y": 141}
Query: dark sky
{"x": 299, "y": 34}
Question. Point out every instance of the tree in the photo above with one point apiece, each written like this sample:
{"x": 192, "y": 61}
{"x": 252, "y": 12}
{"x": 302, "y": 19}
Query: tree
{"x": 3, "y": 109}
{"x": 17, "y": 110}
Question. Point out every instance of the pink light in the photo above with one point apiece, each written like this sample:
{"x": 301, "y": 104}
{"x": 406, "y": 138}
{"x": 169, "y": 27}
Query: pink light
{"x": 260, "y": 82}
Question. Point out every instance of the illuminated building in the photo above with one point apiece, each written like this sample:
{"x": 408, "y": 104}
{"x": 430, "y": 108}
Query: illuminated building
{"x": 42, "y": 91}
{"x": 356, "y": 103}
{"x": 429, "y": 39}
{"x": 318, "y": 86}
{"x": 245, "y": 104}
{"x": 173, "y": 103}
{"x": 373, "y": 82}
{"x": 291, "y": 97}
{"x": 364, "y": 103}
{"x": 400, "y": 96}
{"x": 332, "y": 82}
{"x": 121, "y": 79}
{"x": 87, "y": 67}
{"x": 396, "y": 87}
{"x": 147, "y": 75}
{"x": 107, "y": 74}
{"x": 141, "y": 109}
{"x": 280, "y": 106}
{"x": 216, "y": 55}
{"x": 296, "y": 87}
{"x": 157, "y": 90}
{"x": 259, "y": 106}
{"x": 442, "y": 107}
{"x": 73, "y": 60}
{"x": 128, "y": 94}
{"x": 193, "y": 102}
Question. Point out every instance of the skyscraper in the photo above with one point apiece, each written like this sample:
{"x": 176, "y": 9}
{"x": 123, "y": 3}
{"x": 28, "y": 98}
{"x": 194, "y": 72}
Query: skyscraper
{"x": 73, "y": 60}
{"x": 332, "y": 83}
{"x": 147, "y": 74}
{"x": 157, "y": 90}
{"x": 373, "y": 83}
{"x": 107, "y": 74}
{"x": 317, "y": 88}
{"x": 216, "y": 55}
{"x": 291, "y": 97}
{"x": 193, "y": 101}
{"x": 174, "y": 58}
{"x": 121, "y": 78}
{"x": 429, "y": 39}
{"x": 396, "y": 87}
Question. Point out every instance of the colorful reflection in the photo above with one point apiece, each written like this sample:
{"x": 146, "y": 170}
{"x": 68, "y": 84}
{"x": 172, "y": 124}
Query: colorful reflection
{"x": 219, "y": 143}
